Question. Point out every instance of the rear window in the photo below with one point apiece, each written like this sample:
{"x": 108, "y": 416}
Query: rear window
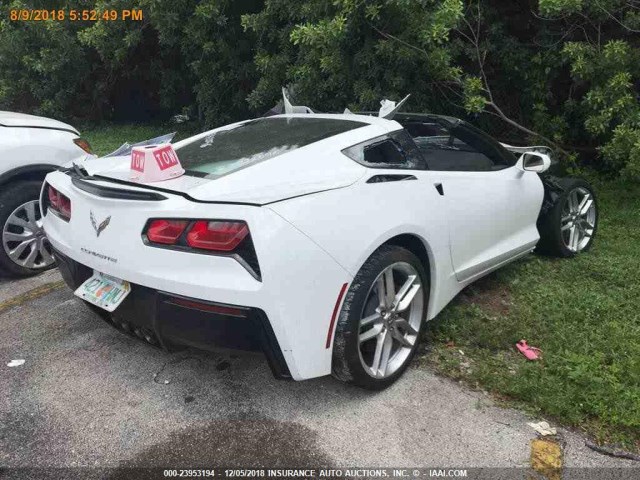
{"x": 256, "y": 141}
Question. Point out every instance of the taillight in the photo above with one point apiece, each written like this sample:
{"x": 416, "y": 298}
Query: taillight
{"x": 166, "y": 232}
{"x": 83, "y": 144}
{"x": 216, "y": 235}
{"x": 58, "y": 203}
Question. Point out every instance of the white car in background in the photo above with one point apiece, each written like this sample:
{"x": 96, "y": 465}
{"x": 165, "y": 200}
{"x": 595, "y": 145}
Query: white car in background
{"x": 30, "y": 147}
{"x": 325, "y": 240}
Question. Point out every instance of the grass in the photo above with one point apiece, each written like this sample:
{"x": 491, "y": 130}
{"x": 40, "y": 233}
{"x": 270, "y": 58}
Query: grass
{"x": 583, "y": 313}
{"x": 106, "y": 138}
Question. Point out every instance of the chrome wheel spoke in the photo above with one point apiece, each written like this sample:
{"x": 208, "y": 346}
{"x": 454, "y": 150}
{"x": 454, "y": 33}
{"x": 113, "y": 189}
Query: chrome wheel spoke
{"x": 406, "y": 301}
{"x": 573, "y": 201}
{"x": 573, "y": 238}
{"x": 406, "y": 326}
{"x": 585, "y": 206}
{"x": 586, "y": 223}
{"x": 578, "y": 220}
{"x": 404, "y": 289}
{"x": 30, "y": 210}
{"x": 23, "y": 239}
{"x": 386, "y": 339}
{"x": 382, "y": 354}
{"x": 17, "y": 251}
{"x": 390, "y": 288}
{"x": 371, "y": 333}
{"x": 402, "y": 339}
{"x": 377, "y": 356}
{"x": 375, "y": 318}
{"x": 46, "y": 255}
{"x": 405, "y": 335}
{"x": 382, "y": 299}
{"x": 30, "y": 261}
{"x": 583, "y": 202}
{"x": 16, "y": 221}
{"x": 17, "y": 237}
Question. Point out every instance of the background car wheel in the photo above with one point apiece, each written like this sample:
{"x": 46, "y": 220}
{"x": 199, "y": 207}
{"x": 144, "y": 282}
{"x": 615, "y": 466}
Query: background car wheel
{"x": 381, "y": 320}
{"x": 569, "y": 227}
{"x": 25, "y": 249}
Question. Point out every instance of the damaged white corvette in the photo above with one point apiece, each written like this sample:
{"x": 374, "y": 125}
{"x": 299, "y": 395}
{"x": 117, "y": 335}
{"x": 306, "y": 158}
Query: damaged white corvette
{"x": 324, "y": 240}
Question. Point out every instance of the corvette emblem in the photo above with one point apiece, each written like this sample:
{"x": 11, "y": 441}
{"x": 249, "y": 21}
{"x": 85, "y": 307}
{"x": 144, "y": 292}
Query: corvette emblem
{"x": 102, "y": 226}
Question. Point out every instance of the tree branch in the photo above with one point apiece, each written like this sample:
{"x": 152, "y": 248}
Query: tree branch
{"x": 613, "y": 17}
{"x": 474, "y": 39}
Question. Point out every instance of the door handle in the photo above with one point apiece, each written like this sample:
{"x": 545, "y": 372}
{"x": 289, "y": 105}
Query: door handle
{"x": 439, "y": 188}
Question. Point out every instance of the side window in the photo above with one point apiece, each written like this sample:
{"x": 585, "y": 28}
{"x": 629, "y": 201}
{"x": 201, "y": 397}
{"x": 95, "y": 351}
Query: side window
{"x": 397, "y": 151}
{"x": 456, "y": 148}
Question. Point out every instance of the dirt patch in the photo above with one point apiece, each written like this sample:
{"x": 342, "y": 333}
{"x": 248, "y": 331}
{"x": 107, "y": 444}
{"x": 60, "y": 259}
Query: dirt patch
{"x": 30, "y": 295}
{"x": 489, "y": 294}
{"x": 232, "y": 443}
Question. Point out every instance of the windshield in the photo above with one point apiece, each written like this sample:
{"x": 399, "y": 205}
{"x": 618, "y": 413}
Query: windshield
{"x": 226, "y": 151}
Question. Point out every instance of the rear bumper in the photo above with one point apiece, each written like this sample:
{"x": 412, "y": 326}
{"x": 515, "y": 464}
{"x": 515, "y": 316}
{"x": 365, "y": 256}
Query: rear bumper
{"x": 169, "y": 320}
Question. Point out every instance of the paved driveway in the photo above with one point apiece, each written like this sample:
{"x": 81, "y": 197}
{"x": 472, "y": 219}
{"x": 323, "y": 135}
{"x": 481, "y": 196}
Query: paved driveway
{"x": 89, "y": 395}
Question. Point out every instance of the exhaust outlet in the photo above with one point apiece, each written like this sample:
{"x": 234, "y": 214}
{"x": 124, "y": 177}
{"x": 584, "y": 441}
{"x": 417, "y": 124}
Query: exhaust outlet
{"x": 149, "y": 336}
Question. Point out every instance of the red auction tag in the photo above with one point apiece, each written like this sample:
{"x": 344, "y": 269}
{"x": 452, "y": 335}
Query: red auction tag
{"x": 155, "y": 163}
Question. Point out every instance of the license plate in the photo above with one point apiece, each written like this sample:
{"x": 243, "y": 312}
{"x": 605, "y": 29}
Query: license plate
{"x": 104, "y": 291}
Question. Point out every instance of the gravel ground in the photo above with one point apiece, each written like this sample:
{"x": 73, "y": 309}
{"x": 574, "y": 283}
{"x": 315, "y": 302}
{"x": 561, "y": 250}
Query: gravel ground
{"x": 88, "y": 395}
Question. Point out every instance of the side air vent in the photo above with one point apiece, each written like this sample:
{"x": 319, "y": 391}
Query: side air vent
{"x": 390, "y": 178}
{"x": 118, "y": 193}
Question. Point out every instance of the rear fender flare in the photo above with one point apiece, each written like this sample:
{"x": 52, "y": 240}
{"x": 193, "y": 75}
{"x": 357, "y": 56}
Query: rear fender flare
{"x": 27, "y": 172}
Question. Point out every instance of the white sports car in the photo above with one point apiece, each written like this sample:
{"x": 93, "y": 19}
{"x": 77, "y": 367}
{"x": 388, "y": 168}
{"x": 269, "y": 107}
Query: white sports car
{"x": 324, "y": 240}
{"x": 30, "y": 147}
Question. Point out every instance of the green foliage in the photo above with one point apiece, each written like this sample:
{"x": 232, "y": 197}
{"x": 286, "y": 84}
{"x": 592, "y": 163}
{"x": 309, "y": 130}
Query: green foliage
{"x": 183, "y": 54}
{"x": 569, "y": 72}
{"x": 474, "y": 99}
{"x": 605, "y": 74}
{"x": 622, "y": 152}
{"x": 41, "y": 63}
{"x": 107, "y": 137}
{"x": 352, "y": 53}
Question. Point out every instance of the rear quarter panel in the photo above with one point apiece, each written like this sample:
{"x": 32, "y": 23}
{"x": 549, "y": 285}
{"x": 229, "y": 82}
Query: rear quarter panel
{"x": 351, "y": 223}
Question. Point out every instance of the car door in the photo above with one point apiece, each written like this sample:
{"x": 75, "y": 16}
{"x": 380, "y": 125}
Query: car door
{"x": 492, "y": 206}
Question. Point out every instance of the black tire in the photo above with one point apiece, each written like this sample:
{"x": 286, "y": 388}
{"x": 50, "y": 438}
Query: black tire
{"x": 346, "y": 363}
{"x": 549, "y": 224}
{"x": 11, "y": 197}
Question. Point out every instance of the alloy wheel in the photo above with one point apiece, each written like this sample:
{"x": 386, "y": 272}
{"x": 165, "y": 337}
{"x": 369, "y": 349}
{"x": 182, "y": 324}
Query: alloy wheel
{"x": 24, "y": 240}
{"x": 390, "y": 320}
{"x": 578, "y": 220}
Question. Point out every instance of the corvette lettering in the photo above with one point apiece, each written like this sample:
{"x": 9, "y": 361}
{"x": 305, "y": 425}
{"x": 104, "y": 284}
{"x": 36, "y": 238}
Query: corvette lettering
{"x": 99, "y": 255}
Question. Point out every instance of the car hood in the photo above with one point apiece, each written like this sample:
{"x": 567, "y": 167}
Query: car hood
{"x": 280, "y": 178}
{"x": 13, "y": 119}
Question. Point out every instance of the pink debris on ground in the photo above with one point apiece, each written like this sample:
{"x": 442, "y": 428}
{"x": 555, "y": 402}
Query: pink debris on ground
{"x": 531, "y": 353}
